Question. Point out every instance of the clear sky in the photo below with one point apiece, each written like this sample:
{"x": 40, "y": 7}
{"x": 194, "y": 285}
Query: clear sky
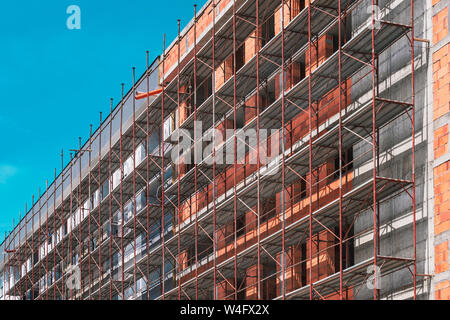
{"x": 55, "y": 81}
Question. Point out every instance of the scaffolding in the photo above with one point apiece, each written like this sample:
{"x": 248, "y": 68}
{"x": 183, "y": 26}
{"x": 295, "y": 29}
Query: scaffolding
{"x": 141, "y": 225}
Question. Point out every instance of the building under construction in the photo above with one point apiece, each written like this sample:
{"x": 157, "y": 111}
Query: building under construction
{"x": 352, "y": 203}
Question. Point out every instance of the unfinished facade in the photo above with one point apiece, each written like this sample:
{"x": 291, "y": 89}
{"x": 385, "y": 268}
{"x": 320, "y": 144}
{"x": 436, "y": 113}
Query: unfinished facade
{"x": 343, "y": 208}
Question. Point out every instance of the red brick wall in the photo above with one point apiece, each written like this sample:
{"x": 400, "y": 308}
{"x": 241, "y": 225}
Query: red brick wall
{"x": 204, "y": 22}
{"x": 320, "y": 54}
{"x": 251, "y": 283}
{"x": 442, "y": 198}
{"x": 441, "y": 78}
{"x": 441, "y": 171}
{"x": 291, "y": 9}
{"x": 322, "y": 262}
{"x": 442, "y": 291}
{"x": 440, "y": 144}
{"x": 440, "y": 25}
{"x": 224, "y": 290}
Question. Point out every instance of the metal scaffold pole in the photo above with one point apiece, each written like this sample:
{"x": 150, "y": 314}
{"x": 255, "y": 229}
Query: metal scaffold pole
{"x": 55, "y": 286}
{"x": 283, "y": 173}
{"x": 39, "y": 244}
{"x": 341, "y": 271}
{"x": 310, "y": 177}
{"x": 99, "y": 223}
{"x": 195, "y": 153}
{"x": 147, "y": 181}
{"x": 122, "y": 215}
{"x": 63, "y": 290}
{"x": 413, "y": 165}
{"x": 374, "y": 155}
{"x": 81, "y": 210}
{"x": 235, "y": 157}
{"x": 71, "y": 221}
{"x": 162, "y": 152}
{"x": 89, "y": 216}
{"x": 32, "y": 254}
{"x": 178, "y": 164}
{"x": 258, "y": 181}
{"x": 214, "y": 8}
{"x": 133, "y": 90}
{"x": 51, "y": 241}
{"x": 110, "y": 184}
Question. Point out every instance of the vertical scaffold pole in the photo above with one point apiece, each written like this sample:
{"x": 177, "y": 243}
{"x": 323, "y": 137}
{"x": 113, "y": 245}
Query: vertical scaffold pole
{"x": 5, "y": 265}
{"x": 340, "y": 149}
{"x": 235, "y": 155}
{"x": 89, "y": 214}
{"x": 110, "y": 177}
{"x": 309, "y": 259}
{"x": 81, "y": 211}
{"x": 56, "y": 233}
{"x": 25, "y": 257}
{"x": 283, "y": 172}
{"x": 147, "y": 187}
{"x": 71, "y": 219}
{"x": 53, "y": 242}
{"x": 214, "y": 4}
{"x": 100, "y": 229}
{"x": 134, "y": 178}
{"x": 13, "y": 252}
{"x": 162, "y": 152}
{"x": 258, "y": 200}
{"x": 374, "y": 155}
{"x": 32, "y": 253}
{"x": 17, "y": 254}
{"x": 121, "y": 197}
{"x": 39, "y": 239}
{"x": 195, "y": 152}
{"x": 178, "y": 165}
{"x": 413, "y": 149}
{"x": 61, "y": 256}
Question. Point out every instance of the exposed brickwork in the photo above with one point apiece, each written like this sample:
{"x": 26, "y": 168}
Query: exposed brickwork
{"x": 225, "y": 290}
{"x": 440, "y": 25}
{"x": 441, "y": 80}
{"x": 441, "y": 224}
{"x": 204, "y": 22}
{"x": 268, "y": 289}
{"x": 319, "y": 53}
{"x": 441, "y": 109}
{"x": 291, "y": 9}
{"x": 441, "y": 257}
{"x": 443, "y": 290}
{"x": 442, "y": 198}
{"x": 440, "y": 145}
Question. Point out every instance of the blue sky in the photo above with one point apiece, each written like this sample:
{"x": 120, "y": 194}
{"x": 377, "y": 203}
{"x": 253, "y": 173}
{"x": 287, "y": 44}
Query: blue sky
{"x": 55, "y": 81}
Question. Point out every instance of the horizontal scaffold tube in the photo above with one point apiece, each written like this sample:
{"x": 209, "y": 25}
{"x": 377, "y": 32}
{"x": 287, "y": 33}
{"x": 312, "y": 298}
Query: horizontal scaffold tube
{"x": 142, "y": 95}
